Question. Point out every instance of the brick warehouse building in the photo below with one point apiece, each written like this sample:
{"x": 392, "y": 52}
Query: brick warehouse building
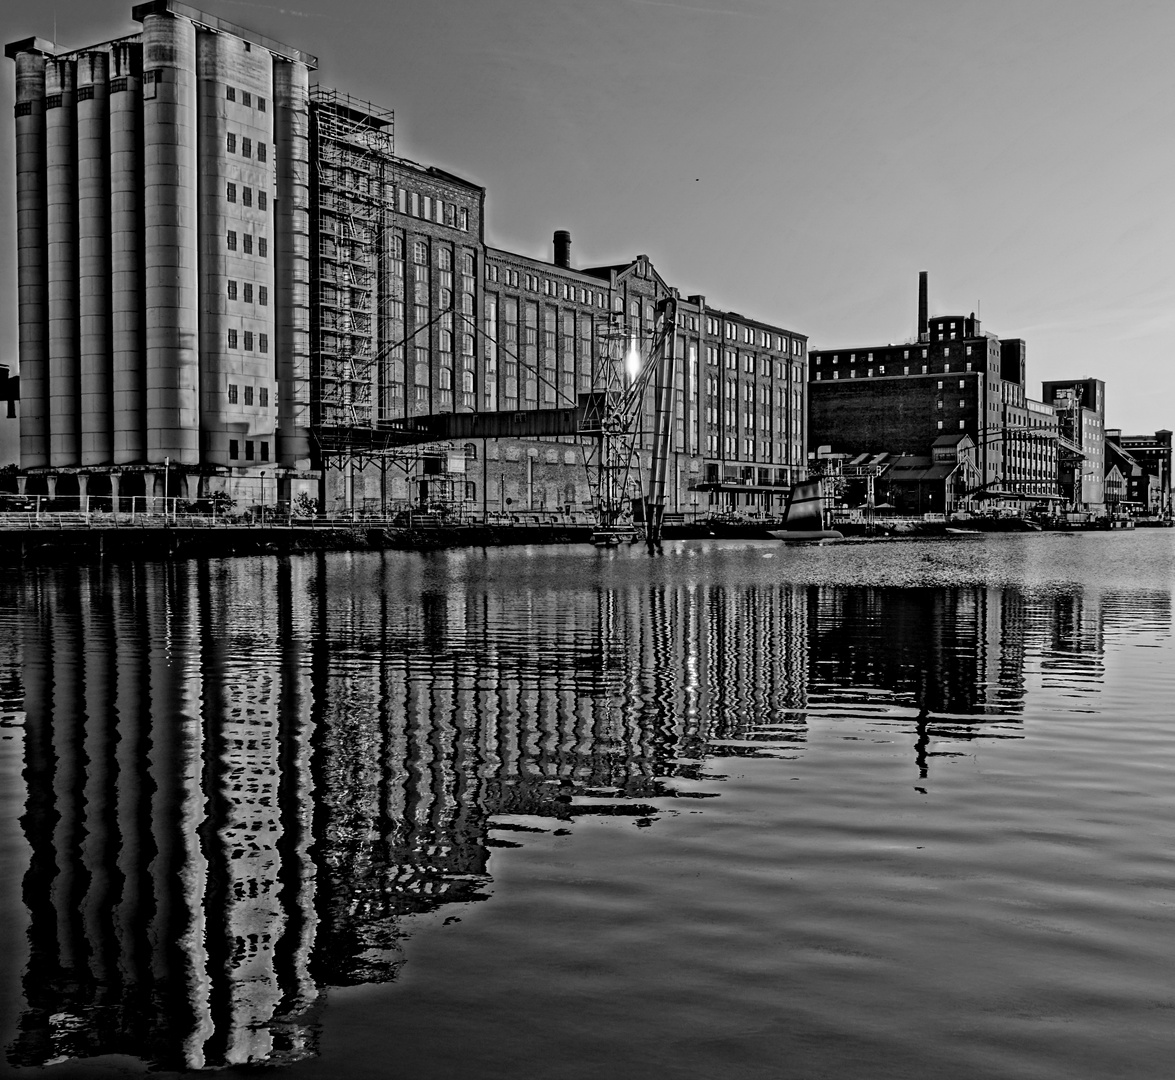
{"x": 953, "y": 379}
{"x": 229, "y": 281}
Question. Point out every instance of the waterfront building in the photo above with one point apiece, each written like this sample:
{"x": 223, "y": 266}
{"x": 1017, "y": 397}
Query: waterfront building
{"x": 1081, "y": 420}
{"x": 953, "y": 378}
{"x": 229, "y": 281}
{"x": 1152, "y": 453}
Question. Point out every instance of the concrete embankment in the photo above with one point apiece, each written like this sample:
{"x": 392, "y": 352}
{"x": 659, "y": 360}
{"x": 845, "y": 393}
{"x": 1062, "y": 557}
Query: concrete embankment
{"x": 49, "y": 545}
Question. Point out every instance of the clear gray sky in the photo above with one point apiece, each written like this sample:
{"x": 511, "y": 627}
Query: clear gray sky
{"x": 798, "y": 162}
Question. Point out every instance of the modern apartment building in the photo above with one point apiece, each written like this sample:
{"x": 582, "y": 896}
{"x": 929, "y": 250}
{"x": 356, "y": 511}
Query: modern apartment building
{"x": 230, "y": 281}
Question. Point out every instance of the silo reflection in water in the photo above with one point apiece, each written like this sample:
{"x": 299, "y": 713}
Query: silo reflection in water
{"x": 245, "y": 777}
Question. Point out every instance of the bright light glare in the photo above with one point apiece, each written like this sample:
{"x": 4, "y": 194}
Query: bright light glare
{"x": 632, "y": 362}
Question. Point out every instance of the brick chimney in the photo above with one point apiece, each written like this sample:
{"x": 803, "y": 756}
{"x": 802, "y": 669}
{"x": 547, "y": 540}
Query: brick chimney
{"x": 923, "y": 308}
{"x": 563, "y": 249}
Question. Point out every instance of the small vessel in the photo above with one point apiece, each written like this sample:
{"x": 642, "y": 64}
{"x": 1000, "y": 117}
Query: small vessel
{"x": 613, "y": 537}
{"x": 803, "y": 517}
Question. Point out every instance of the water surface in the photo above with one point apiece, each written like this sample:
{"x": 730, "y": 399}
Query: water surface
{"x": 741, "y": 810}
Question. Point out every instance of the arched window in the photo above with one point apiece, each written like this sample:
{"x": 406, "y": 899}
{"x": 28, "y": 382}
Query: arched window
{"x": 445, "y": 259}
{"x": 446, "y": 341}
{"x": 467, "y": 263}
{"x": 467, "y": 380}
{"x": 397, "y": 247}
{"x": 420, "y": 253}
{"x": 466, "y": 344}
{"x": 471, "y": 451}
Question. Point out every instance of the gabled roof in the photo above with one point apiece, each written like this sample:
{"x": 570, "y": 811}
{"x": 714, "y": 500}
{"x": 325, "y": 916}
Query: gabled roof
{"x": 628, "y": 269}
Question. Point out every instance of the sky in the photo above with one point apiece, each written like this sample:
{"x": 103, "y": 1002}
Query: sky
{"x": 797, "y": 162}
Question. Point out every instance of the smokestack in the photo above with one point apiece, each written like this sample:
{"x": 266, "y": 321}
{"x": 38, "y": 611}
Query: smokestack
{"x": 563, "y": 249}
{"x": 923, "y": 308}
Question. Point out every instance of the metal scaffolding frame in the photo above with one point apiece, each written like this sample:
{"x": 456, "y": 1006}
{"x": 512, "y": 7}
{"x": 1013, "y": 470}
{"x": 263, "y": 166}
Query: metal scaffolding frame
{"x": 352, "y": 167}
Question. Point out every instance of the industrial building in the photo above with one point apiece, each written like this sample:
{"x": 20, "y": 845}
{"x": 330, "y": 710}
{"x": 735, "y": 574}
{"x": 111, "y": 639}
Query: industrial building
{"x": 1080, "y": 405}
{"x": 1150, "y": 482}
{"x": 951, "y": 379}
{"x": 229, "y": 281}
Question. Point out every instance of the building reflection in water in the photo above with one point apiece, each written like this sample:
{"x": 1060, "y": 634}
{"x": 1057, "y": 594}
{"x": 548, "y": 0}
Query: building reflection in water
{"x": 243, "y": 776}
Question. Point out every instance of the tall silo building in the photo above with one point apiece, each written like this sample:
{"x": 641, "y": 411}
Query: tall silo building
{"x": 162, "y": 193}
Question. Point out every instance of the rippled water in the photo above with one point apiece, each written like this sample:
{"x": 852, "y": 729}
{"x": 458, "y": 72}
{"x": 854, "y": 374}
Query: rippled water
{"x": 739, "y": 810}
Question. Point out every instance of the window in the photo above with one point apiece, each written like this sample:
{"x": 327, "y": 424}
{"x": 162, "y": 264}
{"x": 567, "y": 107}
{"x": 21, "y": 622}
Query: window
{"x": 261, "y": 104}
{"x": 961, "y": 422}
{"x": 248, "y": 341}
{"x": 263, "y": 343}
{"x": 248, "y": 292}
{"x": 246, "y": 99}
{"x": 264, "y": 451}
{"x": 420, "y": 253}
{"x": 940, "y": 384}
{"x": 248, "y": 391}
{"x": 232, "y": 393}
{"x": 263, "y": 295}
{"x": 248, "y": 449}
{"x": 262, "y": 201}
{"x": 246, "y": 196}
{"x": 463, "y": 219}
{"x": 962, "y": 383}
{"x": 231, "y": 192}
{"x": 246, "y": 147}
{"x": 232, "y": 290}
{"x": 263, "y": 397}
{"x": 232, "y": 339}
{"x": 940, "y": 425}
{"x": 230, "y": 143}
{"x": 248, "y": 239}
{"x": 262, "y": 247}
{"x": 230, "y": 93}
{"x": 234, "y": 451}
{"x": 232, "y": 240}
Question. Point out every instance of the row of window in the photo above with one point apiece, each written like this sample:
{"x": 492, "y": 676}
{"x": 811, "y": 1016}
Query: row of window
{"x": 881, "y": 371}
{"x": 262, "y": 293}
{"x": 248, "y": 337}
{"x": 234, "y": 450}
{"x": 248, "y": 100}
{"x": 230, "y": 193}
{"x": 247, "y": 243}
{"x": 428, "y": 208}
{"x": 248, "y": 147}
{"x": 262, "y": 395}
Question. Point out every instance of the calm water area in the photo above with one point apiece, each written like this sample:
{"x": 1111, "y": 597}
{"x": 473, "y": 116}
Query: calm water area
{"x": 897, "y": 809}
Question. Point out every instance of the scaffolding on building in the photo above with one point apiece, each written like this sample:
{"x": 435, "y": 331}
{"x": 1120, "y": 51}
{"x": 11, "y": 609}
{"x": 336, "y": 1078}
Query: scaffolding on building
{"x": 352, "y": 175}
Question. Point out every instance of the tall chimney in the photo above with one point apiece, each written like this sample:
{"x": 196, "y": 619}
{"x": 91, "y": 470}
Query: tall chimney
{"x": 563, "y": 249}
{"x": 923, "y": 308}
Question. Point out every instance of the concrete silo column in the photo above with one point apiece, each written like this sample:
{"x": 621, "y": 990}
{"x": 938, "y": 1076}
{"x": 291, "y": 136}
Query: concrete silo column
{"x": 170, "y": 239}
{"x": 97, "y": 434}
{"x": 32, "y": 276}
{"x": 292, "y": 138}
{"x": 126, "y": 260}
{"x": 62, "y": 207}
